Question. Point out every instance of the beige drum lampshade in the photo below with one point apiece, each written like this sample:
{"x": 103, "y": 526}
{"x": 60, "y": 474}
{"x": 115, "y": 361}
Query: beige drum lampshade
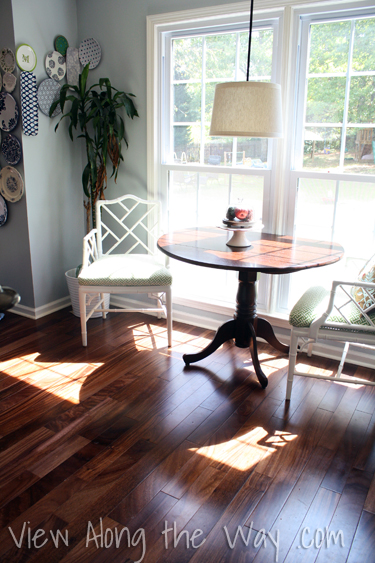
{"x": 247, "y": 109}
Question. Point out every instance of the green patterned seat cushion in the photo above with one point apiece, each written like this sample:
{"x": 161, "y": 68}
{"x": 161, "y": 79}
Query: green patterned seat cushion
{"x": 125, "y": 270}
{"x": 314, "y": 302}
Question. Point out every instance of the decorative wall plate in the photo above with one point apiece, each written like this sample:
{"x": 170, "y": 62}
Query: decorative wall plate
{"x": 3, "y": 211}
{"x": 26, "y": 57}
{"x": 11, "y": 149}
{"x": 29, "y": 104}
{"x": 48, "y": 92}
{"x": 1, "y": 81}
{"x": 90, "y": 52}
{"x": 8, "y": 112}
{"x": 9, "y": 82}
{"x": 61, "y": 44}
{"x": 11, "y": 184}
{"x": 73, "y": 66}
{"x": 7, "y": 60}
{"x": 55, "y": 65}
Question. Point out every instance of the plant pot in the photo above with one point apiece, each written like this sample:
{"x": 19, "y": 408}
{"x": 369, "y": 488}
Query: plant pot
{"x": 73, "y": 287}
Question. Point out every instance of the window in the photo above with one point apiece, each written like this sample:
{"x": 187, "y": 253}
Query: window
{"x": 205, "y": 175}
{"x": 334, "y": 155}
{"x": 319, "y": 181}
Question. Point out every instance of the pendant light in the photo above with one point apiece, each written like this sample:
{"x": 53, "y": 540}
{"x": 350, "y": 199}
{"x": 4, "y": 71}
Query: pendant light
{"x": 247, "y": 109}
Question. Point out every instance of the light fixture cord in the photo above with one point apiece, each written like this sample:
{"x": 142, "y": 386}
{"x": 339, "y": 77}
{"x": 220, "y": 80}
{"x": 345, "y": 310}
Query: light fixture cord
{"x": 249, "y": 45}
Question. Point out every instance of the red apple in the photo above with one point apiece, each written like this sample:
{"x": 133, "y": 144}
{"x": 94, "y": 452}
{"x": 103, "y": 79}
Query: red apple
{"x": 243, "y": 214}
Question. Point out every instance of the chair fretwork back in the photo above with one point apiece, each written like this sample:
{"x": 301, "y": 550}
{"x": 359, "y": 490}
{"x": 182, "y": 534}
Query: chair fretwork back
{"x": 369, "y": 324}
{"x": 127, "y": 221}
{"x": 90, "y": 249}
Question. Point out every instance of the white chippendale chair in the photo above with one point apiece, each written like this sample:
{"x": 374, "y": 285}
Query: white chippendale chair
{"x": 120, "y": 257}
{"x": 345, "y": 314}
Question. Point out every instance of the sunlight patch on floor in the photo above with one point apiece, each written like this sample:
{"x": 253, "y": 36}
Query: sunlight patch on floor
{"x": 306, "y": 368}
{"x": 247, "y": 450}
{"x": 62, "y": 379}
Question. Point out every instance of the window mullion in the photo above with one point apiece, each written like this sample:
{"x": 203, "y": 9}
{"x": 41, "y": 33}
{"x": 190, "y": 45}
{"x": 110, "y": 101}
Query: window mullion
{"x": 203, "y": 100}
{"x": 347, "y": 94}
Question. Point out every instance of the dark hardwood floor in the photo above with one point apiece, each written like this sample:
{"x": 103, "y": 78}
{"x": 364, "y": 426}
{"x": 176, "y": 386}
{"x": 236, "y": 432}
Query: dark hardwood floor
{"x": 119, "y": 454}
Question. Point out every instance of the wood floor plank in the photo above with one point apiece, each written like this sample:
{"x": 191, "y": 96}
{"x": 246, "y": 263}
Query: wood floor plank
{"x": 345, "y": 520}
{"x": 294, "y": 510}
{"x": 306, "y": 545}
{"x": 363, "y": 546}
{"x": 346, "y": 454}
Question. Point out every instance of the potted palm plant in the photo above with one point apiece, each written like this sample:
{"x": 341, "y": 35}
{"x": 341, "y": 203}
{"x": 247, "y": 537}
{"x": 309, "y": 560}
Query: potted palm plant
{"x": 95, "y": 114}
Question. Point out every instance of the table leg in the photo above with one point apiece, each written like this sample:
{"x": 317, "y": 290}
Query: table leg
{"x": 244, "y": 328}
{"x": 225, "y": 332}
{"x": 264, "y": 330}
{"x": 262, "y": 378}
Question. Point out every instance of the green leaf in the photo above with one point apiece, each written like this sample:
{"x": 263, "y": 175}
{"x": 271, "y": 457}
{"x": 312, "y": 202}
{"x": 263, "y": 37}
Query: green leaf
{"x": 63, "y": 93}
{"x": 86, "y": 179}
{"x": 83, "y": 79}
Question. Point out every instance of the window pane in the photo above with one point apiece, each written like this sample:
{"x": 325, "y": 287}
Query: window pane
{"x": 187, "y": 102}
{"x": 213, "y": 198}
{"x": 315, "y": 208}
{"x": 261, "y": 55}
{"x": 364, "y": 45}
{"x": 249, "y": 191}
{"x": 182, "y": 199}
{"x": 359, "y": 152}
{"x": 325, "y": 100}
{"x": 186, "y": 143}
{"x": 361, "y": 100}
{"x": 322, "y": 148}
{"x": 339, "y": 211}
{"x": 252, "y": 153}
{"x": 329, "y": 47}
{"x": 187, "y": 58}
{"x": 203, "y": 198}
{"x": 221, "y": 56}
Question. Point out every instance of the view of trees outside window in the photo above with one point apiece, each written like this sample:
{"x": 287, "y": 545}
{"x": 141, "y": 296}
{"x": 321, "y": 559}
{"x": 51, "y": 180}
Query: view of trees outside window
{"x": 199, "y": 63}
{"x": 339, "y": 125}
{"x": 340, "y": 97}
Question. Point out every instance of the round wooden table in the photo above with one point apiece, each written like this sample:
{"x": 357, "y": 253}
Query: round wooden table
{"x": 269, "y": 254}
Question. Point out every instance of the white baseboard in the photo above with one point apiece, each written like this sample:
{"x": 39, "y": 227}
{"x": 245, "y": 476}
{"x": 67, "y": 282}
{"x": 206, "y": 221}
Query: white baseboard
{"x": 43, "y": 311}
{"x": 195, "y": 317}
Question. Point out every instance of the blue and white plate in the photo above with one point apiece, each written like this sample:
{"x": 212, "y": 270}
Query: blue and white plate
{"x": 3, "y": 211}
{"x": 11, "y": 149}
{"x": 29, "y": 104}
{"x": 55, "y": 65}
{"x": 49, "y": 92}
{"x": 73, "y": 66}
{"x": 90, "y": 52}
{"x": 8, "y": 112}
{"x": 11, "y": 184}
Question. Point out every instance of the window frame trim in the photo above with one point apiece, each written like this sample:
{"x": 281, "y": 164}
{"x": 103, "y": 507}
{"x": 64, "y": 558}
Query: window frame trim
{"x": 290, "y": 12}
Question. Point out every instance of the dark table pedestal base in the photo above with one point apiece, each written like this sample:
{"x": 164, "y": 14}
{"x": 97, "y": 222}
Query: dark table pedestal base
{"x": 244, "y": 328}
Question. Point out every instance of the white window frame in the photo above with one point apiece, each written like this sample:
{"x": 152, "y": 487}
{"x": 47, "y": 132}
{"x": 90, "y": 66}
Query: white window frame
{"x": 283, "y": 178}
{"x": 303, "y": 17}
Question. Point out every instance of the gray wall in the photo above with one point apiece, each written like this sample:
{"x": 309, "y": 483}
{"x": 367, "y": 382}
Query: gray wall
{"x": 15, "y": 261}
{"x": 52, "y": 163}
{"x": 49, "y": 230}
{"x": 120, "y": 28}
